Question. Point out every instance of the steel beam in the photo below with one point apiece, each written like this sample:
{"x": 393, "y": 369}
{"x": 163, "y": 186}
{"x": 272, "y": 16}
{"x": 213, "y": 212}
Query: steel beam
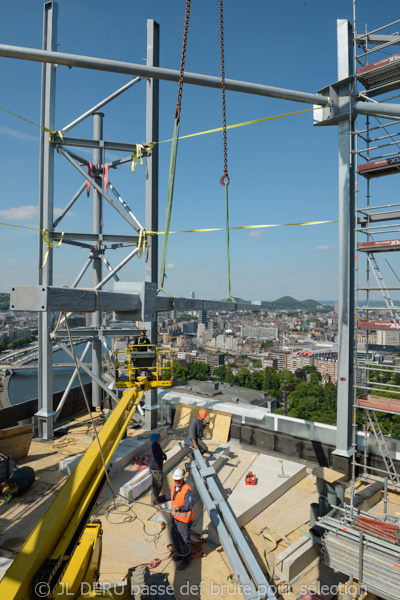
{"x": 233, "y": 528}
{"x": 393, "y": 40}
{"x": 242, "y": 577}
{"x": 70, "y": 383}
{"x": 376, "y": 109}
{"x": 346, "y": 253}
{"x": 115, "y": 66}
{"x": 152, "y": 135}
{"x": 99, "y": 144}
{"x": 32, "y": 298}
{"x": 44, "y": 415}
{"x": 59, "y": 236}
{"x": 100, "y": 105}
{"x": 166, "y": 304}
{"x": 97, "y": 229}
{"x": 84, "y": 368}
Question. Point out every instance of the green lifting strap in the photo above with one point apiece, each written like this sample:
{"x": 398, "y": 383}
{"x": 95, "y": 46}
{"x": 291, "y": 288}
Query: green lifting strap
{"x": 229, "y": 297}
{"x": 171, "y": 181}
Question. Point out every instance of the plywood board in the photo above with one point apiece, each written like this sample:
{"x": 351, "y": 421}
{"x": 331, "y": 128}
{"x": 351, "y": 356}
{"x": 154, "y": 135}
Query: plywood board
{"x": 328, "y": 475}
{"x": 16, "y": 446}
{"x": 219, "y": 422}
{"x": 18, "y": 430}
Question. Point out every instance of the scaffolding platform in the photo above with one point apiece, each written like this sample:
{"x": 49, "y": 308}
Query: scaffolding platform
{"x": 379, "y": 168}
{"x": 379, "y": 324}
{"x": 391, "y": 405}
{"x": 379, "y": 246}
{"x": 380, "y": 72}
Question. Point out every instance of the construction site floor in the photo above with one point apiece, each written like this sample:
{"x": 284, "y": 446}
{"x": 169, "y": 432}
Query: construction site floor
{"x": 132, "y": 534}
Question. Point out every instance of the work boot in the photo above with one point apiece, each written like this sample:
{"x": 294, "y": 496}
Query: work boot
{"x": 185, "y": 563}
{"x": 176, "y": 557}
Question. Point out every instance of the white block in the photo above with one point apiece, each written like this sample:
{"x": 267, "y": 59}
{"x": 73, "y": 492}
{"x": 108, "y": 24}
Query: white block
{"x": 124, "y": 454}
{"x": 247, "y": 501}
{"x": 296, "y": 558}
{"x": 142, "y": 481}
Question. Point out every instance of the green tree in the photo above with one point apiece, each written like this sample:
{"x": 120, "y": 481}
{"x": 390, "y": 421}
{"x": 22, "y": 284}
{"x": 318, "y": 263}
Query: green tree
{"x": 271, "y": 382}
{"x": 199, "y": 371}
{"x": 179, "y": 371}
{"x": 220, "y": 372}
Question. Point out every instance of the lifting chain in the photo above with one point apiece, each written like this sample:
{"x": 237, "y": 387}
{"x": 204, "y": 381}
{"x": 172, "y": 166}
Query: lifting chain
{"x": 183, "y": 58}
{"x": 225, "y": 177}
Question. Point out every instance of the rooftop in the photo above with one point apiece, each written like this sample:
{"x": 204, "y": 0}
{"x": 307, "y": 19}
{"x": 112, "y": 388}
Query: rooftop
{"x": 274, "y": 515}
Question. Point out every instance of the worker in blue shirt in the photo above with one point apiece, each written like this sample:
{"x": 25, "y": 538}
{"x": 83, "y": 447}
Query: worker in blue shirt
{"x": 196, "y": 428}
{"x": 182, "y": 500}
{"x": 157, "y": 458}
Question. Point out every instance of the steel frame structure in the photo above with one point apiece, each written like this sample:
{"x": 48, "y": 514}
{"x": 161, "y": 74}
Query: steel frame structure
{"x": 341, "y": 106}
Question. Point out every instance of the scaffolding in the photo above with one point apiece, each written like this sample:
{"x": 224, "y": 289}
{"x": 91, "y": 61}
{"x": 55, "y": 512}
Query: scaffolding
{"x": 376, "y": 151}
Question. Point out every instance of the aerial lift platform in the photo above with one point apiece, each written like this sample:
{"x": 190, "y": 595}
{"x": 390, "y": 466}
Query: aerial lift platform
{"x": 64, "y": 550}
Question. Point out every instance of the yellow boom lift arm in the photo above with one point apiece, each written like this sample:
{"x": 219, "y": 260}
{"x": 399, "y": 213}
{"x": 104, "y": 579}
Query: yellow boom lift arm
{"x": 64, "y": 549}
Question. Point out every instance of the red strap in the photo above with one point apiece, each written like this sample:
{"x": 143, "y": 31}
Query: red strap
{"x": 90, "y": 174}
{"x": 156, "y": 561}
{"x": 106, "y": 176}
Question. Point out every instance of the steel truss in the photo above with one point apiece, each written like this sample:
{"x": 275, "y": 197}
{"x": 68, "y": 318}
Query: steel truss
{"x": 340, "y": 109}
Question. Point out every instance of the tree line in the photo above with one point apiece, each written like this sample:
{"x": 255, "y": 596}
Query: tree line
{"x": 306, "y": 397}
{"x": 18, "y": 343}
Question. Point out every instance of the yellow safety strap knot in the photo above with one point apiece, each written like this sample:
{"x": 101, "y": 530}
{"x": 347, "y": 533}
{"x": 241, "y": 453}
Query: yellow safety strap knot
{"x": 137, "y": 157}
{"x": 49, "y": 244}
{"x": 141, "y": 242}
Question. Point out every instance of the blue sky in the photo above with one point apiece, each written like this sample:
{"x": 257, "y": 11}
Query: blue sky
{"x": 281, "y": 171}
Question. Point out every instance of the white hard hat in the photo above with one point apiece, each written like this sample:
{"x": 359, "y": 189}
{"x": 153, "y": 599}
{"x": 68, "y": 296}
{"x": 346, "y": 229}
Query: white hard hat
{"x": 178, "y": 474}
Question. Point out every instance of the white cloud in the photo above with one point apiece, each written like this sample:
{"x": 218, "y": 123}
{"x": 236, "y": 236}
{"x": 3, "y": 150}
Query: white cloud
{"x": 322, "y": 248}
{"x": 171, "y": 266}
{"x": 26, "y": 213}
{"x": 20, "y": 213}
{"x": 18, "y": 262}
{"x": 18, "y": 134}
{"x": 255, "y": 234}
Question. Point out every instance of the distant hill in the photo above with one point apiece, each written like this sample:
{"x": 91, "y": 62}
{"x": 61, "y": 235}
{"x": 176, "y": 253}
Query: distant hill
{"x": 289, "y": 303}
{"x": 4, "y": 301}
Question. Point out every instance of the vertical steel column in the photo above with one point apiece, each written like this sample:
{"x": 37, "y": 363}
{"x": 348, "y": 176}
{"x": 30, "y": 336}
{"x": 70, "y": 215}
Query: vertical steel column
{"x": 346, "y": 248}
{"x": 45, "y": 413}
{"x": 97, "y": 228}
{"x": 152, "y": 135}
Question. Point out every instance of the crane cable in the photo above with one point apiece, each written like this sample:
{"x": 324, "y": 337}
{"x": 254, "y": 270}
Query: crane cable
{"x": 174, "y": 151}
{"x": 225, "y": 177}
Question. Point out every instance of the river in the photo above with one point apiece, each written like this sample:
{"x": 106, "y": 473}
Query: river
{"x": 23, "y": 385}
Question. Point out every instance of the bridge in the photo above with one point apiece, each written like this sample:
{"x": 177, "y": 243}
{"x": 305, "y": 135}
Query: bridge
{"x": 27, "y": 366}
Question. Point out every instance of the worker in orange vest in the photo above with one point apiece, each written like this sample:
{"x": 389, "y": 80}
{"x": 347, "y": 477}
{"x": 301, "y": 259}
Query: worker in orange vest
{"x": 182, "y": 500}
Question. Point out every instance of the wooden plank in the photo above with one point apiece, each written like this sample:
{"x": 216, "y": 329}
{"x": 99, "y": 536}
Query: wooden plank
{"x": 17, "y": 446}
{"x": 326, "y": 474}
{"x": 219, "y": 422}
{"x": 18, "y": 430}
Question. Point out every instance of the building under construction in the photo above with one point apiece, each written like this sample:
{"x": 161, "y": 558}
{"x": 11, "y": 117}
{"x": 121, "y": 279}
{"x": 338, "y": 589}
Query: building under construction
{"x": 284, "y": 508}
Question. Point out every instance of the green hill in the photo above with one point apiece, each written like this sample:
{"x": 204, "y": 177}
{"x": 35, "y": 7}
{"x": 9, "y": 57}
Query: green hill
{"x": 289, "y": 303}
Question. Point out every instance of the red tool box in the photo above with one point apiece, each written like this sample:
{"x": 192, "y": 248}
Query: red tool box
{"x": 250, "y": 479}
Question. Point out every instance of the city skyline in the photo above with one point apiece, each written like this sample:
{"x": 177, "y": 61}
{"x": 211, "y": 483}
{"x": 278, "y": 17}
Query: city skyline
{"x": 282, "y": 171}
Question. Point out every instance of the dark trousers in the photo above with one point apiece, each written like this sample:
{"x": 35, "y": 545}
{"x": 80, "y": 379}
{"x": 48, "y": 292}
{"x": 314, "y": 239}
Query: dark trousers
{"x": 157, "y": 483}
{"x": 180, "y": 534}
{"x": 202, "y": 446}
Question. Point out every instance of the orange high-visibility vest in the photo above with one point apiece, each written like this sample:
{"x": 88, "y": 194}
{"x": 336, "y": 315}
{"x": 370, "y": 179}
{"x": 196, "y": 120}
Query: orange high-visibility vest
{"x": 179, "y": 500}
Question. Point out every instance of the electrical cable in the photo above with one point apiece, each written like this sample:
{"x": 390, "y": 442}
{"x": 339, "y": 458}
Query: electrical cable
{"x": 113, "y": 508}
